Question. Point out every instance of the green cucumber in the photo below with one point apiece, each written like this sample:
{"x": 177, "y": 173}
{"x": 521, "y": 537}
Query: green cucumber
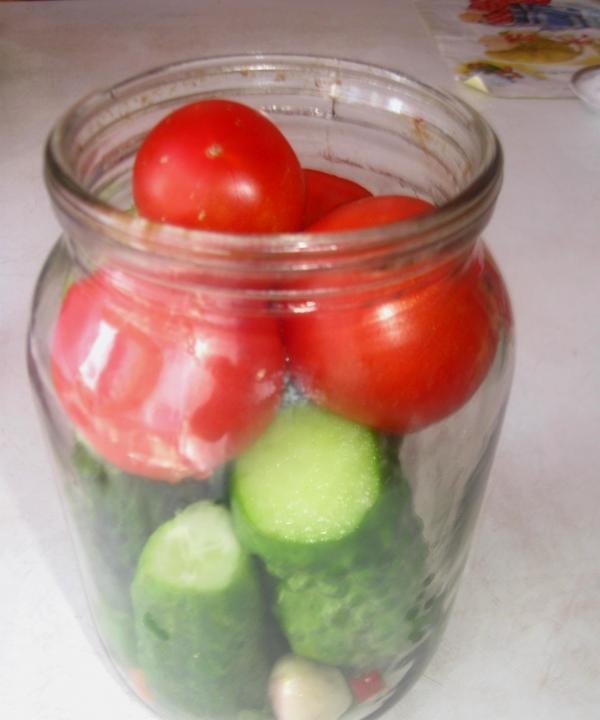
{"x": 199, "y": 616}
{"x": 365, "y": 616}
{"x": 115, "y": 514}
{"x": 323, "y": 502}
{"x": 310, "y": 491}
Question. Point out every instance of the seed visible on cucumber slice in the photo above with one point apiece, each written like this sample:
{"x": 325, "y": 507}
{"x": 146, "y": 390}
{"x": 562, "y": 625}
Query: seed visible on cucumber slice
{"x": 199, "y": 617}
{"x": 308, "y": 486}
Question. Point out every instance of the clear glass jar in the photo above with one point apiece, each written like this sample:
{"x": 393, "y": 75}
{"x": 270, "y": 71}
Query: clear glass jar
{"x": 273, "y": 448}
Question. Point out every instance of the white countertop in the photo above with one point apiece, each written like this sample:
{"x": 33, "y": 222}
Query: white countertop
{"x": 524, "y": 639}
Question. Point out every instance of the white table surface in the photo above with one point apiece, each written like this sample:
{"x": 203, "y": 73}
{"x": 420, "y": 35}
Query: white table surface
{"x": 524, "y": 639}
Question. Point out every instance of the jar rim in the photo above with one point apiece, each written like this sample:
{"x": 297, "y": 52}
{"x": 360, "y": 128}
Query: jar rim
{"x": 468, "y": 210}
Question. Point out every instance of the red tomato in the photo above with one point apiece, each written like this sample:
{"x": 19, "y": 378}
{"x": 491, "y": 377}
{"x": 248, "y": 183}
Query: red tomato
{"x": 325, "y": 192}
{"x": 219, "y": 165}
{"x": 371, "y": 211}
{"x": 401, "y": 363}
{"x": 367, "y": 685}
{"x": 156, "y": 386}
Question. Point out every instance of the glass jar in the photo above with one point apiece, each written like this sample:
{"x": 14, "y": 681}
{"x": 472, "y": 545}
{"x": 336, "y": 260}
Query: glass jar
{"x": 273, "y": 449}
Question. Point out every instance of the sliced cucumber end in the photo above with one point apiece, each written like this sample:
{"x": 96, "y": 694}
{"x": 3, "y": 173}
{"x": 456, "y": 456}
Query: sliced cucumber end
{"x": 196, "y": 550}
{"x": 311, "y": 477}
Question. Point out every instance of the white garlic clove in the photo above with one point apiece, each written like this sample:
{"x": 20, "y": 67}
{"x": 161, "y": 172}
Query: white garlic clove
{"x": 300, "y": 689}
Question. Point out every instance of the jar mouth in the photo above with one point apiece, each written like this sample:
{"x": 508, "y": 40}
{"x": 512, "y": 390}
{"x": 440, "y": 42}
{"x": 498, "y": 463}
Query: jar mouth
{"x": 69, "y": 172}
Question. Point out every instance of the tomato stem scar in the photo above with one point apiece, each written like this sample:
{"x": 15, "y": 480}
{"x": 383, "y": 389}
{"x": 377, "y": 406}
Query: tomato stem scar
{"x": 214, "y": 150}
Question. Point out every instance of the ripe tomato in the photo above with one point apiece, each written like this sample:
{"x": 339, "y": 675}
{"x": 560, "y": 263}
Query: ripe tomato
{"x": 400, "y": 363}
{"x": 371, "y": 211}
{"x": 219, "y": 165}
{"x": 156, "y": 386}
{"x": 324, "y": 192}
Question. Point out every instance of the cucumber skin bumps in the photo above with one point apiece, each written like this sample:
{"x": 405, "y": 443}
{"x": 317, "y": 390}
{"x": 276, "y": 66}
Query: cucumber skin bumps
{"x": 346, "y": 581}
